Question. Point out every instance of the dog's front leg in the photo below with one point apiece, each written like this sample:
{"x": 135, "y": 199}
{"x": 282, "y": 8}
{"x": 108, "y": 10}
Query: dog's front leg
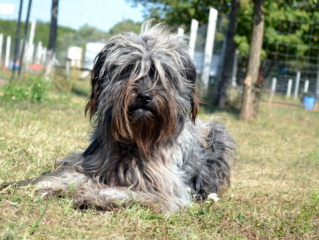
{"x": 112, "y": 198}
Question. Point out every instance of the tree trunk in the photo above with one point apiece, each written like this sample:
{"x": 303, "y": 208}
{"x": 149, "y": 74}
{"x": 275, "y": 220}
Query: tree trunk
{"x": 53, "y": 36}
{"x": 250, "y": 102}
{"x": 229, "y": 55}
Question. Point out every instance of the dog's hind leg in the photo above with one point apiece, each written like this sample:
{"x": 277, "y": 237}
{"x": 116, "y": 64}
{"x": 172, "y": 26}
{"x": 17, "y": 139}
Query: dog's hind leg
{"x": 220, "y": 147}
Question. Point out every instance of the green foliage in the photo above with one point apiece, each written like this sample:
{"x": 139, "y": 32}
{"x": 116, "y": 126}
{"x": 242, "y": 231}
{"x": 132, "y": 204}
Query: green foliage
{"x": 125, "y": 26}
{"x": 32, "y": 89}
{"x": 289, "y": 30}
{"x": 179, "y": 13}
{"x": 278, "y": 16}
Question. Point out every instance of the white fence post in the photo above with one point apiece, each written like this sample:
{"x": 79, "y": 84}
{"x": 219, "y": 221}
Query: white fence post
{"x": 273, "y": 86}
{"x": 289, "y": 88}
{"x": 44, "y": 54}
{"x": 30, "y": 46}
{"x": 306, "y": 86}
{"x": 297, "y": 85}
{"x": 192, "y": 38}
{"x": 180, "y": 31}
{"x": 235, "y": 65}
{"x": 209, "y": 46}
{"x": 38, "y": 54}
{"x": 6, "y": 61}
{"x": 1, "y": 43}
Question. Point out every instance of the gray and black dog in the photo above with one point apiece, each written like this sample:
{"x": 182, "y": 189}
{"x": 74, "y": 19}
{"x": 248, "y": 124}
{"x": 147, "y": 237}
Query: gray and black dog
{"x": 147, "y": 146}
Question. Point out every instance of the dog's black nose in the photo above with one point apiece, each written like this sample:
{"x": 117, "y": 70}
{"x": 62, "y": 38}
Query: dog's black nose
{"x": 144, "y": 98}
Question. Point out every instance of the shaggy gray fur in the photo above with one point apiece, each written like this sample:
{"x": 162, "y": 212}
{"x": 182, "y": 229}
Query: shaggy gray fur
{"x": 147, "y": 146}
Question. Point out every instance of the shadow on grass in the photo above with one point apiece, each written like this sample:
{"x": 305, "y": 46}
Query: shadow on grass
{"x": 81, "y": 88}
{"x": 208, "y": 107}
{"x": 82, "y": 92}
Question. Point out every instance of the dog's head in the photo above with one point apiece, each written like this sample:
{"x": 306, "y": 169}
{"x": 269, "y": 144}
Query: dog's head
{"x": 143, "y": 87}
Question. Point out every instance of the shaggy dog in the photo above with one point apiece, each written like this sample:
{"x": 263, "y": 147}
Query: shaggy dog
{"x": 147, "y": 146}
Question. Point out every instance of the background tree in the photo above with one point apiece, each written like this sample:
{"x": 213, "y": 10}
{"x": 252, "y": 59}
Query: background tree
{"x": 281, "y": 17}
{"x": 180, "y": 13}
{"x": 229, "y": 55}
{"x": 250, "y": 101}
{"x": 51, "y": 49}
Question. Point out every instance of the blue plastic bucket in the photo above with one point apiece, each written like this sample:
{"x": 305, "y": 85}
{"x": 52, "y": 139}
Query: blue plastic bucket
{"x": 309, "y": 102}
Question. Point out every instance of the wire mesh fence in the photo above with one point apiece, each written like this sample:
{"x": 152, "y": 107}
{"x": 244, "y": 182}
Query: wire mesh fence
{"x": 295, "y": 62}
{"x": 287, "y": 60}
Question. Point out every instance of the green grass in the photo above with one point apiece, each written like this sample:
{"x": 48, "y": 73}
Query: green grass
{"x": 274, "y": 193}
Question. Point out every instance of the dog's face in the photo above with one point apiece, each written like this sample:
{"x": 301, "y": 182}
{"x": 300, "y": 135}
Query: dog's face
{"x": 143, "y": 88}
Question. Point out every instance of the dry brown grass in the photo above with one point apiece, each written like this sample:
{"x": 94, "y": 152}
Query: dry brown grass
{"x": 274, "y": 194}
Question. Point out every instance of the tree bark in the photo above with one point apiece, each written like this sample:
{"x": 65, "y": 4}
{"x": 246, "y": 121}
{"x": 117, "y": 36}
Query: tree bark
{"x": 249, "y": 102}
{"x": 52, "y": 37}
{"x": 229, "y": 55}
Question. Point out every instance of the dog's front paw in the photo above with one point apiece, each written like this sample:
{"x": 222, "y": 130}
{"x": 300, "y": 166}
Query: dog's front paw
{"x": 50, "y": 192}
{"x": 86, "y": 198}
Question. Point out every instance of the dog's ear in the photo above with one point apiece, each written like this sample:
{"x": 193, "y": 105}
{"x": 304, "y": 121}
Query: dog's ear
{"x": 191, "y": 76}
{"x": 96, "y": 84}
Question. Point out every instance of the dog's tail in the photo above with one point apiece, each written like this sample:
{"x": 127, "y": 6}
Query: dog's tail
{"x": 61, "y": 165}
{"x": 18, "y": 184}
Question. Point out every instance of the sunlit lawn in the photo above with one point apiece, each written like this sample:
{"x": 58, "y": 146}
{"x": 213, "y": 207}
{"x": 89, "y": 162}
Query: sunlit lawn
{"x": 274, "y": 194}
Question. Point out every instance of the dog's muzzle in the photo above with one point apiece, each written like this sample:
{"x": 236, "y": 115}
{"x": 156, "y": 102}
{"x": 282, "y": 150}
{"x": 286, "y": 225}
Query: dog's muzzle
{"x": 143, "y": 102}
